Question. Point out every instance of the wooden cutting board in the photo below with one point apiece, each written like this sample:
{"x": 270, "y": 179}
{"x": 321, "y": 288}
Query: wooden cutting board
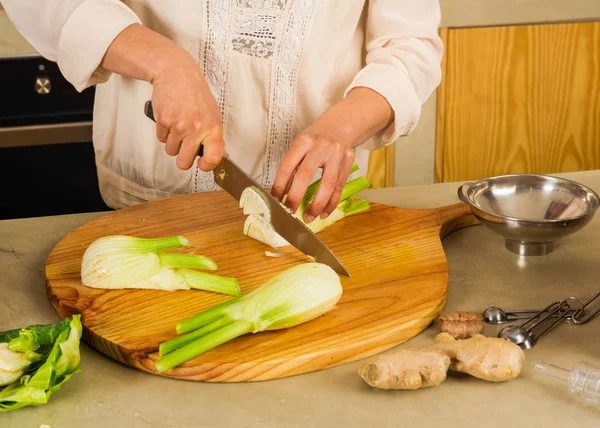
{"x": 398, "y": 285}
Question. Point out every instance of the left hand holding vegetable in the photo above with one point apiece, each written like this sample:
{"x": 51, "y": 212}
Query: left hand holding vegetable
{"x": 329, "y": 144}
{"x": 322, "y": 145}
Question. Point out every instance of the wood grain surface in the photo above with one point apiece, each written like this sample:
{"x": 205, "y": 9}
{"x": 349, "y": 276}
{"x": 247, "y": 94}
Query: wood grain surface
{"x": 397, "y": 287}
{"x": 519, "y": 99}
{"x": 380, "y": 171}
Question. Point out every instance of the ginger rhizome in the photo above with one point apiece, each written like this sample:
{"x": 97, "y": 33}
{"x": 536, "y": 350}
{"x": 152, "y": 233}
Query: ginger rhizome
{"x": 461, "y": 325}
{"x": 488, "y": 358}
{"x": 406, "y": 369}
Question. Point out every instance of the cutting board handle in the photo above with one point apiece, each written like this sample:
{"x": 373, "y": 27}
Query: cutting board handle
{"x": 454, "y": 217}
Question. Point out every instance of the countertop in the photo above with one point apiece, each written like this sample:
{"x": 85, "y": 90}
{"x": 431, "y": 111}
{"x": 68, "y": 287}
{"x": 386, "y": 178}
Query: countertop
{"x": 482, "y": 274}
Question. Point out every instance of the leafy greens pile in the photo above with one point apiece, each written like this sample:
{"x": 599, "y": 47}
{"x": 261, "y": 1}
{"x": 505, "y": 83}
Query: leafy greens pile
{"x": 36, "y": 361}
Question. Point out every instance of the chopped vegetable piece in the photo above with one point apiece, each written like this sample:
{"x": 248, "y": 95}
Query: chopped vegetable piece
{"x": 292, "y": 297}
{"x": 118, "y": 261}
{"x": 258, "y": 223}
{"x": 56, "y": 361}
{"x": 8, "y": 377}
{"x": 256, "y": 227}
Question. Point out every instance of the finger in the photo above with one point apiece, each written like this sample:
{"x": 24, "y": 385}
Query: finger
{"x": 290, "y": 181}
{"x": 344, "y": 172}
{"x": 162, "y": 132}
{"x": 302, "y": 178}
{"x": 289, "y": 165}
{"x": 328, "y": 185}
{"x": 188, "y": 152}
{"x": 174, "y": 140}
{"x": 214, "y": 148}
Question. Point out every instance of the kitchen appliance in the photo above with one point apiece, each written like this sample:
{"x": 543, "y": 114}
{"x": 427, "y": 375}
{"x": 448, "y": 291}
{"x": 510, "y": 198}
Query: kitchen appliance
{"x": 47, "y": 162}
{"x": 234, "y": 181}
{"x": 397, "y": 288}
{"x": 530, "y": 211}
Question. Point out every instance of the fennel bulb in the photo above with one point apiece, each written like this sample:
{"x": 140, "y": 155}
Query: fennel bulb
{"x": 292, "y": 297}
{"x": 119, "y": 261}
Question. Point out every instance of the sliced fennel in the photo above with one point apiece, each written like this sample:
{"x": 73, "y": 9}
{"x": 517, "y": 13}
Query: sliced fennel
{"x": 292, "y": 297}
{"x": 8, "y": 377}
{"x": 258, "y": 223}
{"x": 119, "y": 261}
{"x": 257, "y": 227}
{"x": 11, "y": 360}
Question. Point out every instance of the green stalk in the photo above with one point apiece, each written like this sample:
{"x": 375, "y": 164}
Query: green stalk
{"x": 311, "y": 191}
{"x": 192, "y": 261}
{"x": 151, "y": 245}
{"x": 203, "y": 344}
{"x": 356, "y": 207}
{"x": 180, "y": 341}
{"x": 353, "y": 187}
{"x": 210, "y": 282}
{"x": 204, "y": 317}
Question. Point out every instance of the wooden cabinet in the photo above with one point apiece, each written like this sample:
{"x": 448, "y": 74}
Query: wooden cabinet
{"x": 518, "y": 99}
{"x": 380, "y": 171}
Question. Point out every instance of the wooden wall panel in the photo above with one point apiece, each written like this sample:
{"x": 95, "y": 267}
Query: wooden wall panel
{"x": 380, "y": 171}
{"x": 519, "y": 99}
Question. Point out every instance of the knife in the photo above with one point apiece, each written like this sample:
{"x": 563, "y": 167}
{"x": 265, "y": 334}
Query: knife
{"x": 234, "y": 181}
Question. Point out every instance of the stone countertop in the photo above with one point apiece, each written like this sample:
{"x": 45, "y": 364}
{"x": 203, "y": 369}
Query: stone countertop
{"x": 482, "y": 274}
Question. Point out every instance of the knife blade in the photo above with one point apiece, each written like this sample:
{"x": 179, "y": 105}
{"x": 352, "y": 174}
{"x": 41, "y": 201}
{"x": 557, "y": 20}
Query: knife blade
{"x": 234, "y": 181}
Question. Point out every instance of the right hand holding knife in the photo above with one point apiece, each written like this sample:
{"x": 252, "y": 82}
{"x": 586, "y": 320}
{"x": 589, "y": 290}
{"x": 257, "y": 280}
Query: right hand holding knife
{"x": 188, "y": 119}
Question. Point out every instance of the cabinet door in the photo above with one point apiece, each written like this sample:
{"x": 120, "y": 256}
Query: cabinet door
{"x": 519, "y": 99}
{"x": 380, "y": 172}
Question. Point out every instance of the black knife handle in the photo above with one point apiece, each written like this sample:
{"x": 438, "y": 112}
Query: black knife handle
{"x": 149, "y": 111}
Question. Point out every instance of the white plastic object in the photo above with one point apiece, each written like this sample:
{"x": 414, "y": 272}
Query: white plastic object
{"x": 583, "y": 379}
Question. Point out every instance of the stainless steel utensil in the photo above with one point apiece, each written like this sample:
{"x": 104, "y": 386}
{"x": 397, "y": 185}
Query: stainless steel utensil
{"x": 530, "y": 211}
{"x": 497, "y": 316}
{"x": 581, "y": 316}
{"x": 525, "y": 336}
{"x": 232, "y": 179}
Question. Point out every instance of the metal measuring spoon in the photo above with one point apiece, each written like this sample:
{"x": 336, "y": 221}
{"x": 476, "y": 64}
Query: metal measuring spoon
{"x": 524, "y": 336}
{"x": 518, "y": 335}
{"x": 497, "y": 316}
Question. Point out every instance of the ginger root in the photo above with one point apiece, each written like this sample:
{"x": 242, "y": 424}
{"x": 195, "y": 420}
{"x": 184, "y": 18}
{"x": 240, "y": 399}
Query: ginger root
{"x": 406, "y": 369}
{"x": 488, "y": 358}
{"x": 461, "y": 325}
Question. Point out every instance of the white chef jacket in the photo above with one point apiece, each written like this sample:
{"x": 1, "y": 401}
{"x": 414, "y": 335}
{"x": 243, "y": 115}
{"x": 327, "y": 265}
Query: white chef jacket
{"x": 273, "y": 66}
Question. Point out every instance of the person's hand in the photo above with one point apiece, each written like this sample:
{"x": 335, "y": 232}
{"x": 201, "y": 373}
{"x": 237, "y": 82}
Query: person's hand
{"x": 329, "y": 144}
{"x": 187, "y": 115}
{"x": 325, "y": 145}
{"x": 184, "y": 108}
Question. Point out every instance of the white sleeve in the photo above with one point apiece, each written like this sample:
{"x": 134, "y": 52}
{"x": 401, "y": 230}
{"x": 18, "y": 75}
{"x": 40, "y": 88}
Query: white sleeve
{"x": 73, "y": 33}
{"x": 404, "y": 53}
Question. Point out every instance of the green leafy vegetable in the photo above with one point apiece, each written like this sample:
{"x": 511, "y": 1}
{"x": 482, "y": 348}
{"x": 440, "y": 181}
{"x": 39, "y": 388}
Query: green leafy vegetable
{"x": 57, "y": 360}
{"x": 292, "y": 297}
{"x": 120, "y": 261}
{"x": 31, "y": 338}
